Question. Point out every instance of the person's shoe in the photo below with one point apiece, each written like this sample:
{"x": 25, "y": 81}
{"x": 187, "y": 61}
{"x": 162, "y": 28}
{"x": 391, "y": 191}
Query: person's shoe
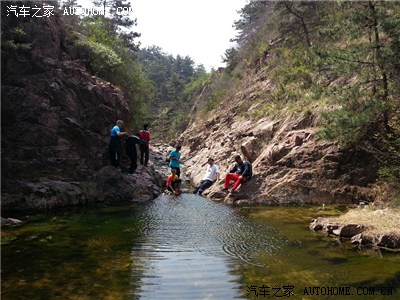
{"x": 225, "y": 189}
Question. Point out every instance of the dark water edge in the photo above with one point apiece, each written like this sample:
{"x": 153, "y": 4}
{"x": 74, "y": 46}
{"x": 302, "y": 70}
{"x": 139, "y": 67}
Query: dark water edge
{"x": 188, "y": 248}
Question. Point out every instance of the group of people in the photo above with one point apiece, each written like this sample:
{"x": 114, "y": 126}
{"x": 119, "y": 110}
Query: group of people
{"x": 139, "y": 140}
{"x": 240, "y": 173}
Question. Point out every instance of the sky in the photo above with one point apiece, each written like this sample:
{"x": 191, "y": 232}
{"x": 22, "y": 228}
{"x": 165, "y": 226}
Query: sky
{"x": 199, "y": 29}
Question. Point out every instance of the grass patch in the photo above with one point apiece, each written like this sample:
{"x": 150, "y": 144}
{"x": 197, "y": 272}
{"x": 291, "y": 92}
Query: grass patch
{"x": 379, "y": 221}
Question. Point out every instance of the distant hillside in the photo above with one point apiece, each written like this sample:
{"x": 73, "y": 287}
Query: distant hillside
{"x": 170, "y": 77}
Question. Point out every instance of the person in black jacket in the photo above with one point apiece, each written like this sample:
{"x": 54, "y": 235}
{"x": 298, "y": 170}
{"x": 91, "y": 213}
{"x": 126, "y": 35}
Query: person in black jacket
{"x": 131, "y": 150}
{"x": 241, "y": 172}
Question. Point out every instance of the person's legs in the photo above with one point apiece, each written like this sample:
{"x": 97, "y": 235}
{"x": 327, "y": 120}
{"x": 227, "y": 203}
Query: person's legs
{"x": 176, "y": 183}
{"x": 178, "y": 171}
{"x": 146, "y": 155}
{"x": 113, "y": 160}
{"x": 117, "y": 159}
{"x": 197, "y": 189}
{"x": 230, "y": 177}
{"x": 238, "y": 182}
{"x": 142, "y": 154}
{"x": 204, "y": 184}
{"x": 133, "y": 165}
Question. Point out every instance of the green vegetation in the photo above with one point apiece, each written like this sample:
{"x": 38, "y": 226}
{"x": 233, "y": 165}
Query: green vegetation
{"x": 108, "y": 46}
{"x": 14, "y": 40}
{"x": 336, "y": 60}
{"x": 173, "y": 78}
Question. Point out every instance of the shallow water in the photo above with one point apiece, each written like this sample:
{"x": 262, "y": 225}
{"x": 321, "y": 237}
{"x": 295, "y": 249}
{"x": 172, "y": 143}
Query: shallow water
{"x": 187, "y": 247}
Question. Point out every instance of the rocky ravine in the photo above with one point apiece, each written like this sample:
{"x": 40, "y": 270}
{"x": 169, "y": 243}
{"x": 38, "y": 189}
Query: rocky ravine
{"x": 290, "y": 165}
{"x": 56, "y": 119}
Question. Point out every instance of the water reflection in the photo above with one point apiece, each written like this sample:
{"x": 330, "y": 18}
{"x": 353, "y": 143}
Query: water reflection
{"x": 193, "y": 247}
{"x": 184, "y": 248}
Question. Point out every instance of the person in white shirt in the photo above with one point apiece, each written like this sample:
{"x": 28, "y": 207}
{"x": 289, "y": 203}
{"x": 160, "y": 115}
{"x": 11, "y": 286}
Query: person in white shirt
{"x": 211, "y": 176}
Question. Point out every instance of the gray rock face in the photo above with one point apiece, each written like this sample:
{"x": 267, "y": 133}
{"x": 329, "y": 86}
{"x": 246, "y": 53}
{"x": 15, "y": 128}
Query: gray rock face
{"x": 56, "y": 119}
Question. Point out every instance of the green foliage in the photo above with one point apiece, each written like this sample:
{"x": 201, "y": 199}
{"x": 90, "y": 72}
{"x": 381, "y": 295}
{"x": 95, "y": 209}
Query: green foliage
{"x": 102, "y": 59}
{"x": 346, "y": 127}
{"x": 390, "y": 173}
{"x": 15, "y": 40}
{"x": 201, "y": 80}
{"x": 218, "y": 88}
{"x": 109, "y": 57}
{"x": 173, "y": 80}
{"x": 362, "y": 101}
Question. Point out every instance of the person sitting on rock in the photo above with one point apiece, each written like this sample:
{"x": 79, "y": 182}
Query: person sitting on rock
{"x": 173, "y": 183}
{"x": 241, "y": 172}
{"x": 211, "y": 176}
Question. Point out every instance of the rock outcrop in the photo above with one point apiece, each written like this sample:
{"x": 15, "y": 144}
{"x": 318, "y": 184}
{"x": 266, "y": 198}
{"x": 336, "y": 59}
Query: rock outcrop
{"x": 291, "y": 166}
{"x": 357, "y": 234}
{"x": 56, "y": 118}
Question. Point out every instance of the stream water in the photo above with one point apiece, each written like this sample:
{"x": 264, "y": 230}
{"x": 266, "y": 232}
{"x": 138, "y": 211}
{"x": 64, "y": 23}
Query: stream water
{"x": 187, "y": 247}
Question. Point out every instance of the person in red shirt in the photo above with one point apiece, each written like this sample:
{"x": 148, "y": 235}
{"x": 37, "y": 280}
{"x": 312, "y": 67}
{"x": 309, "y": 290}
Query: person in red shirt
{"x": 173, "y": 183}
{"x": 144, "y": 135}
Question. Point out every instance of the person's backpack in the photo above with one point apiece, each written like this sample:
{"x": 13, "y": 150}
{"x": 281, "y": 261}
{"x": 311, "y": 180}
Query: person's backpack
{"x": 142, "y": 134}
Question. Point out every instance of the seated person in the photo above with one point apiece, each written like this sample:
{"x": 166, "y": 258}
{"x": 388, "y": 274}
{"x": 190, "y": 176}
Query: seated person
{"x": 211, "y": 175}
{"x": 241, "y": 172}
{"x": 173, "y": 183}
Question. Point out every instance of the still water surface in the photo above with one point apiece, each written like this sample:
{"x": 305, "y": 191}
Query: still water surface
{"x": 188, "y": 248}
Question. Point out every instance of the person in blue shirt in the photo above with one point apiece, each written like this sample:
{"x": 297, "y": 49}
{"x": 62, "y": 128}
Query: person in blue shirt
{"x": 115, "y": 148}
{"x": 175, "y": 159}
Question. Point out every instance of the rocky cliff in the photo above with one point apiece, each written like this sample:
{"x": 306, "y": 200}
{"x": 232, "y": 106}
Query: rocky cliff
{"x": 56, "y": 119}
{"x": 290, "y": 165}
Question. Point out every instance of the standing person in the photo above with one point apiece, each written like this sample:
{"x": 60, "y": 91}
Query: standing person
{"x": 131, "y": 145}
{"x": 211, "y": 176}
{"x": 115, "y": 148}
{"x": 241, "y": 172}
{"x": 173, "y": 183}
{"x": 175, "y": 159}
{"x": 144, "y": 135}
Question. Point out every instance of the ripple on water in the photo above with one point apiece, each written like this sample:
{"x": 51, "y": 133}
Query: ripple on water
{"x": 189, "y": 244}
